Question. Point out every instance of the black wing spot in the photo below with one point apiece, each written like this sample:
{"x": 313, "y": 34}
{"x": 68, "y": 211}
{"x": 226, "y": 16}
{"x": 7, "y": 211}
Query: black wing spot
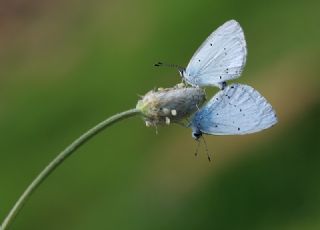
{"x": 210, "y": 44}
{"x": 216, "y": 126}
{"x": 199, "y": 60}
{"x": 217, "y": 99}
{"x": 229, "y": 98}
{"x": 238, "y": 129}
{"x": 220, "y": 77}
{"x": 217, "y": 114}
{"x": 240, "y": 110}
{"x": 232, "y": 87}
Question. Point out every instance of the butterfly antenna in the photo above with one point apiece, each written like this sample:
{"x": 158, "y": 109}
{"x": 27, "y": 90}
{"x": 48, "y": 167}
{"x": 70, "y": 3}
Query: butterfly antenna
{"x": 161, "y": 64}
{"x": 206, "y": 146}
{"x": 198, "y": 145}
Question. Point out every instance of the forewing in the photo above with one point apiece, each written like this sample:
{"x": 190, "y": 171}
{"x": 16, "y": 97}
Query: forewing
{"x": 238, "y": 109}
{"x": 221, "y": 57}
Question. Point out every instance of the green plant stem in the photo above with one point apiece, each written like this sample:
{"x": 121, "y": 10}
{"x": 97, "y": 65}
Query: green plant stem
{"x": 60, "y": 158}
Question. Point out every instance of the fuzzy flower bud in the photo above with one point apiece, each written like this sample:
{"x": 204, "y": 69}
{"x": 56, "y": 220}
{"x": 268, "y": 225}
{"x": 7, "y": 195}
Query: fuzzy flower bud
{"x": 170, "y": 105}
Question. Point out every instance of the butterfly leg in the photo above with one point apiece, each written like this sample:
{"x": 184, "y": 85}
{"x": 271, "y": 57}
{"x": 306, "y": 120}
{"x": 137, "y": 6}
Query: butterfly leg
{"x": 189, "y": 122}
{"x": 197, "y": 107}
{"x": 207, "y": 151}
{"x": 197, "y": 148}
{"x": 222, "y": 85}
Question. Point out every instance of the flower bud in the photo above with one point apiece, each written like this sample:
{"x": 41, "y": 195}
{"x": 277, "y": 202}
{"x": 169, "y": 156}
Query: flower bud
{"x": 170, "y": 105}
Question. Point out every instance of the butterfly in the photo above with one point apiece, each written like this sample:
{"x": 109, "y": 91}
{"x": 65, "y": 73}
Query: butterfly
{"x": 236, "y": 110}
{"x": 221, "y": 57}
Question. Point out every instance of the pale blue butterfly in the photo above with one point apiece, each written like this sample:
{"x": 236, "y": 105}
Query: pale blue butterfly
{"x": 221, "y": 57}
{"x": 237, "y": 109}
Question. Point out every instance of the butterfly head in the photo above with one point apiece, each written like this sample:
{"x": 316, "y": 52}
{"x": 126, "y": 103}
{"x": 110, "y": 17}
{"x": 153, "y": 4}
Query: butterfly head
{"x": 196, "y": 134}
{"x": 182, "y": 71}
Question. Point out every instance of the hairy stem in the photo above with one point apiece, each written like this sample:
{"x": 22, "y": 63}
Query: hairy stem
{"x": 60, "y": 158}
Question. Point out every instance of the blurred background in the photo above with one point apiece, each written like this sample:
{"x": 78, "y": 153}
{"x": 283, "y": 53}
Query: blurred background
{"x": 67, "y": 65}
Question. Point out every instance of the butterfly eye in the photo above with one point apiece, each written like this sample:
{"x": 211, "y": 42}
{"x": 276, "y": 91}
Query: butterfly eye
{"x": 181, "y": 72}
{"x": 196, "y": 135}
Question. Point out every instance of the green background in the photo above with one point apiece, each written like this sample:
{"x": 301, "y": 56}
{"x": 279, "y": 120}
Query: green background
{"x": 66, "y": 65}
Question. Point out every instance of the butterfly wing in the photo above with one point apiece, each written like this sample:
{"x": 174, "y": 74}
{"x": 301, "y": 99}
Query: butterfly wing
{"x": 238, "y": 109}
{"x": 221, "y": 57}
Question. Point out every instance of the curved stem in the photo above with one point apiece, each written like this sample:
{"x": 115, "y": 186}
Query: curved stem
{"x": 60, "y": 158}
